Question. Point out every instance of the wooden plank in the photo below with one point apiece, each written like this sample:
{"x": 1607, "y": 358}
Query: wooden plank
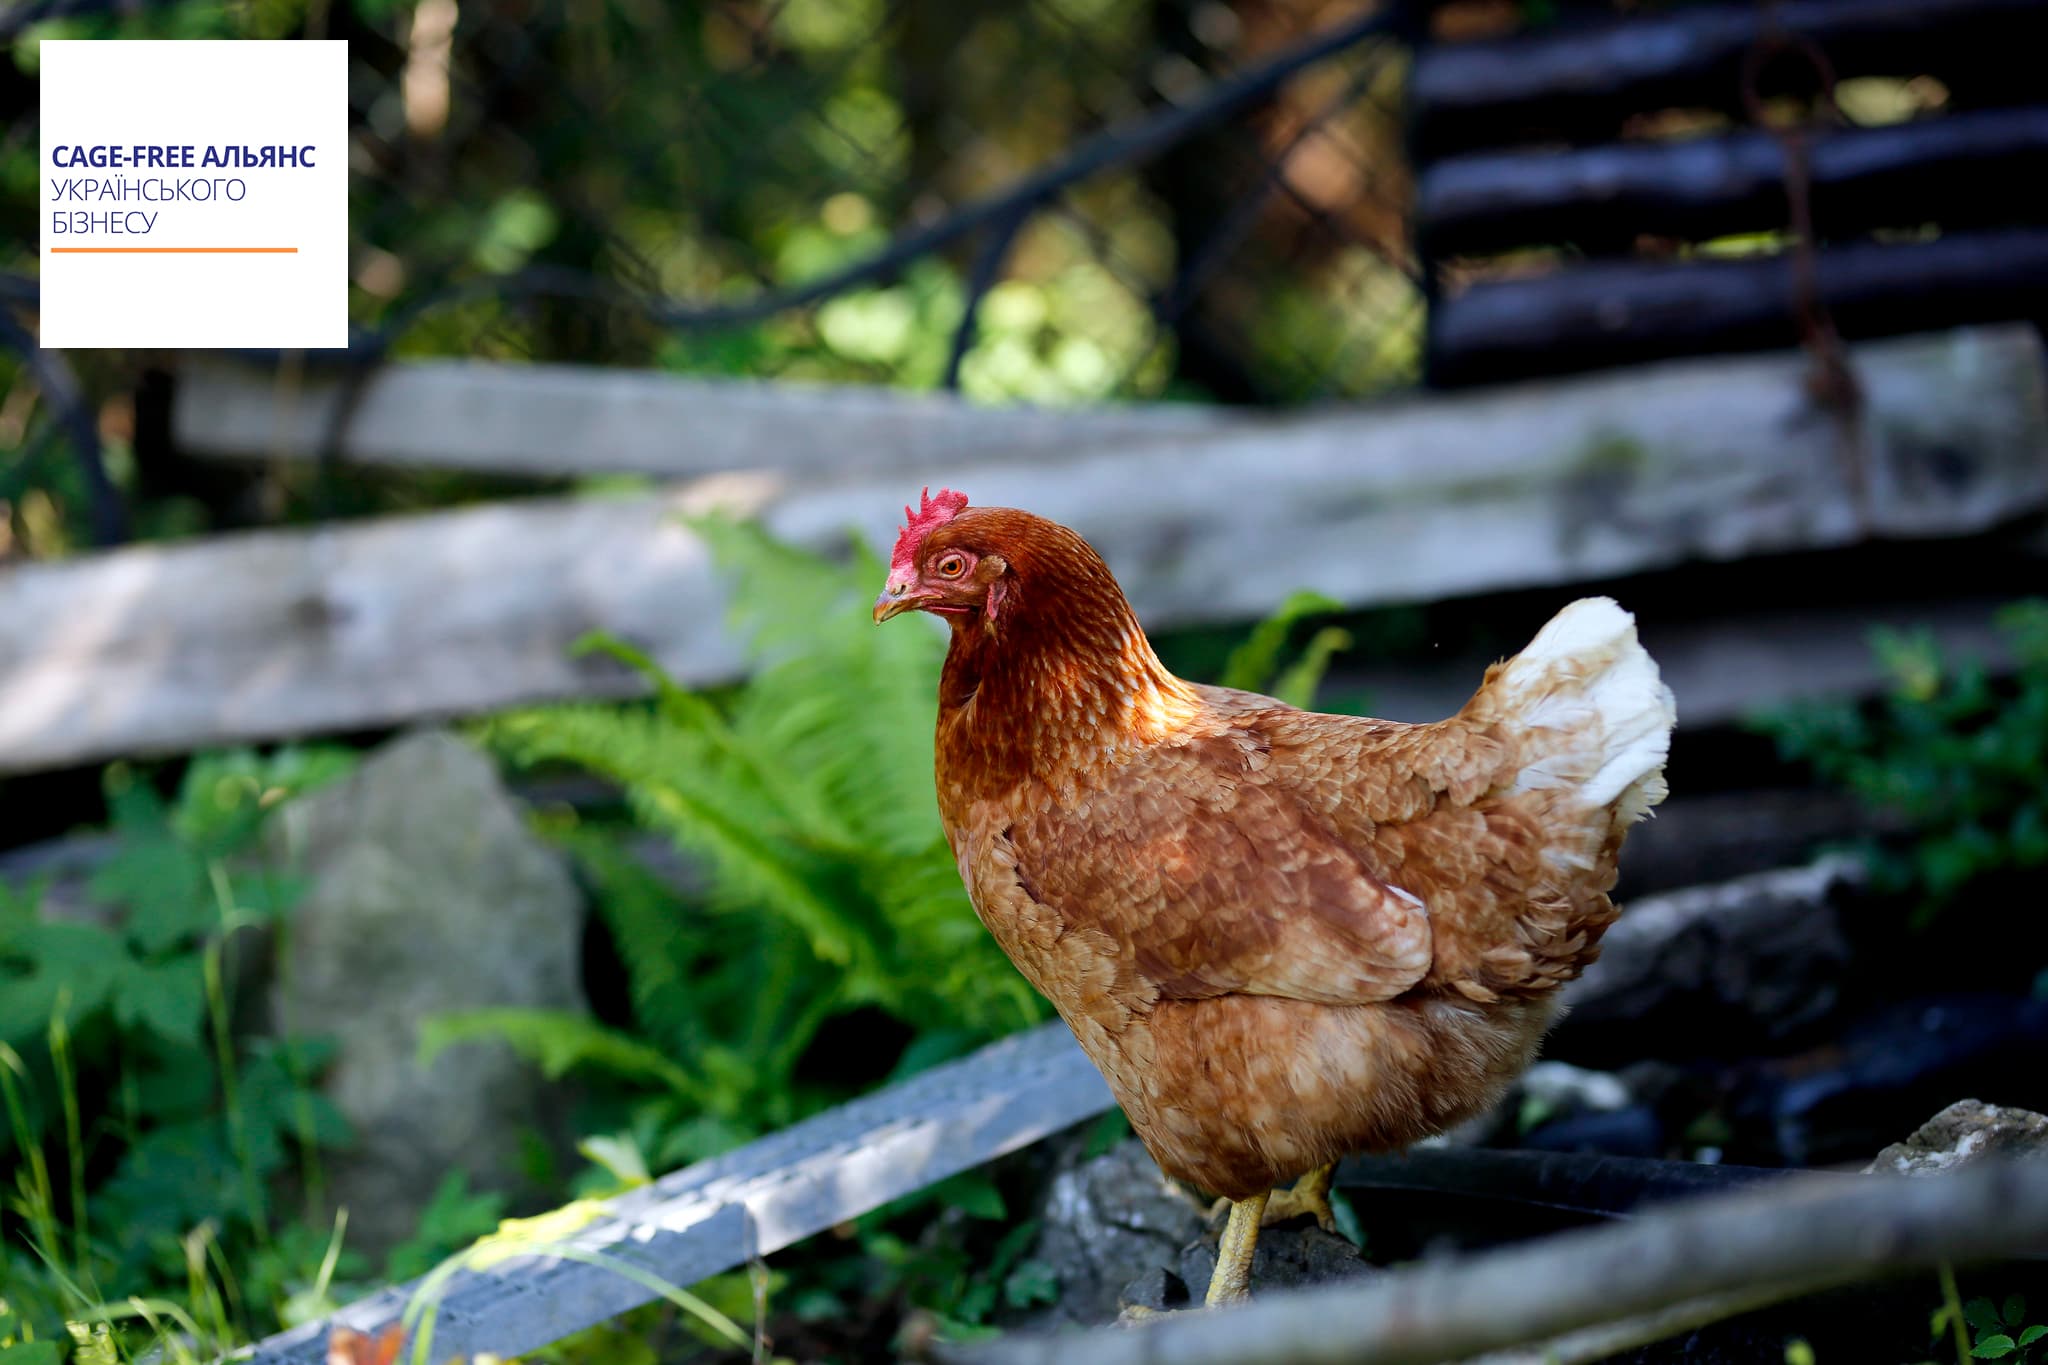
{"x": 1721, "y": 670}
{"x": 1624, "y": 312}
{"x": 378, "y": 623}
{"x": 758, "y": 1199}
{"x": 1580, "y": 81}
{"x": 551, "y": 421}
{"x": 1957, "y": 171}
{"x": 1787, "y": 1239}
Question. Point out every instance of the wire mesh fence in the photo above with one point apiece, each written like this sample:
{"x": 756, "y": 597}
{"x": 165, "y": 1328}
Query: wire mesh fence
{"x": 626, "y": 182}
{"x": 1048, "y": 201}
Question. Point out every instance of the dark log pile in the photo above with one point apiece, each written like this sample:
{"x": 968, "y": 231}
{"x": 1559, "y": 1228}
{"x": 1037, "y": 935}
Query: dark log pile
{"x": 1616, "y": 204}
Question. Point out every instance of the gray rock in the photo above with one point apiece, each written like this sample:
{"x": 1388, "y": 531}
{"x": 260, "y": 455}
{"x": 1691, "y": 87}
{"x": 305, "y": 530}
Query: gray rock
{"x": 1108, "y": 1222}
{"x": 1966, "y": 1131}
{"x": 1291, "y": 1256}
{"x": 1765, "y": 953}
{"x": 426, "y": 894}
{"x": 1117, "y": 1233}
{"x": 1158, "y": 1289}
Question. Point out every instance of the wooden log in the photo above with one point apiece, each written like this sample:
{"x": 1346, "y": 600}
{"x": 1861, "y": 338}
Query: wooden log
{"x": 1957, "y": 171}
{"x": 1624, "y": 312}
{"x": 263, "y": 635}
{"x": 1581, "y": 81}
{"x": 1787, "y": 1239}
{"x": 750, "y": 1202}
{"x": 556, "y": 421}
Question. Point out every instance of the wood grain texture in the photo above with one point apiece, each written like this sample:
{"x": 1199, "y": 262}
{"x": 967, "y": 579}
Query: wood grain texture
{"x": 554, "y": 421}
{"x": 264, "y": 635}
{"x": 720, "y": 1213}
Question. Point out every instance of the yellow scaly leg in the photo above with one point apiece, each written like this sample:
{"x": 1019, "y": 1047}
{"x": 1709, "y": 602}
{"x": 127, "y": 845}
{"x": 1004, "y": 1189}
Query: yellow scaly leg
{"x": 1232, "y": 1282}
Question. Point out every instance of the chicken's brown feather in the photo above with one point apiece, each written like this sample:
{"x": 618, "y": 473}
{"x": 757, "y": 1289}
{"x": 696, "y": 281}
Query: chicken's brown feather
{"x": 1218, "y": 880}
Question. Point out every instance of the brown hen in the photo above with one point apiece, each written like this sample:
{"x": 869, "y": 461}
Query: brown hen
{"x": 1282, "y": 936}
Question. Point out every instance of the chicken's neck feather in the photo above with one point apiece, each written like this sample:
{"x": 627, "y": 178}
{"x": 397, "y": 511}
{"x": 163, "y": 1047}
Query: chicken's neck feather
{"x": 1061, "y": 679}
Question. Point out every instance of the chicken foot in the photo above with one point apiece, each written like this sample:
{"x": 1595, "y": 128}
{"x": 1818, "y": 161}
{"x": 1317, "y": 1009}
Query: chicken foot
{"x": 1311, "y": 1195}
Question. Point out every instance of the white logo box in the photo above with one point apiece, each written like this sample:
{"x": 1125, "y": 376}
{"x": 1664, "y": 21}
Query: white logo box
{"x": 194, "y": 194}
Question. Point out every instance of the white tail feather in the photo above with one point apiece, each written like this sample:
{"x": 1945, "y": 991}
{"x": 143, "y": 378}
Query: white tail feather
{"x": 1606, "y": 714}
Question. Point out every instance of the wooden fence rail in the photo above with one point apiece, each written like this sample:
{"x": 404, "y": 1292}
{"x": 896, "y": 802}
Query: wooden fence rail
{"x": 555, "y": 421}
{"x": 270, "y": 634}
{"x": 760, "y": 1198}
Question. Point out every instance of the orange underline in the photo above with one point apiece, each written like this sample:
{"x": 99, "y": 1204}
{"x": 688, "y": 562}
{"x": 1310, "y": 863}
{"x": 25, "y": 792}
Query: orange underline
{"x": 175, "y": 250}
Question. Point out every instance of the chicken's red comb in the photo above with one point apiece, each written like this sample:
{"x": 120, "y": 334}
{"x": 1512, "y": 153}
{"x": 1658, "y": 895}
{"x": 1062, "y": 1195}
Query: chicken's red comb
{"x": 930, "y": 512}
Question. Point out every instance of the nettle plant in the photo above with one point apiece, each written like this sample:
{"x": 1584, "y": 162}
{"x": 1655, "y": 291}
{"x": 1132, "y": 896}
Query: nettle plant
{"x": 1958, "y": 756}
{"x": 143, "y": 1138}
{"x": 803, "y": 798}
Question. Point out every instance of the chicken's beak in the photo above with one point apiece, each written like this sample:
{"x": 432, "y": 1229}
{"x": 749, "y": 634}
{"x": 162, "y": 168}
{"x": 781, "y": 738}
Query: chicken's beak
{"x": 895, "y": 600}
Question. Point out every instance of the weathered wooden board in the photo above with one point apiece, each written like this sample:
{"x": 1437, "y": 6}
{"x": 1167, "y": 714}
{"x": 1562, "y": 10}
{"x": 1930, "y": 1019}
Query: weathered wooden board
{"x": 552, "y": 421}
{"x": 1721, "y": 669}
{"x": 278, "y": 633}
{"x": 719, "y": 1213}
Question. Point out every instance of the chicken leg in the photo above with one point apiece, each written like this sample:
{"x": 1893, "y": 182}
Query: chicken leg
{"x": 1232, "y": 1281}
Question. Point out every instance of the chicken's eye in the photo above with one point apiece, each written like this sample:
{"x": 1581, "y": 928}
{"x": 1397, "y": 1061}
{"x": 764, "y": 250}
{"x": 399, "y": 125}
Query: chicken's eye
{"x": 952, "y": 566}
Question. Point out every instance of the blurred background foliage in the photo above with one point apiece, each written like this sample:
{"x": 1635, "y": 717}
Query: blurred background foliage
{"x": 531, "y": 179}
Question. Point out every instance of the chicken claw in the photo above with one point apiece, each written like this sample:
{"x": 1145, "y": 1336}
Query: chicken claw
{"x": 1311, "y": 1194}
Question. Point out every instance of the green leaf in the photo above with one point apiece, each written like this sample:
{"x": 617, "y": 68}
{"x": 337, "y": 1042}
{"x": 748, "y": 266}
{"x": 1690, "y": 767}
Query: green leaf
{"x": 452, "y": 1219}
{"x": 2015, "y": 1310}
{"x": 1252, "y": 663}
{"x": 2032, "y": 1335}
{"x": 1982, "y": 1314}
{"x": 974, "y": 1194}
{"x": 165, "y": 998}
{"x": 29, "y": 1353}
{"x": 46, "y": 963}
{"x": 1031, "y": 1282}
{"x": 558, "y": 1041}
{"x": 161, "y": 885}
{"x": 1993, "y": 1347}
{"x": 619, "y": 1156}
{"x": 1297, "y": 686}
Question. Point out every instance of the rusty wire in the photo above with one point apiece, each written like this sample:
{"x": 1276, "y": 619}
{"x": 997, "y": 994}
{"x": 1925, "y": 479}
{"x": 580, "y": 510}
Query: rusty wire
{"x": 1831, "y": 381}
